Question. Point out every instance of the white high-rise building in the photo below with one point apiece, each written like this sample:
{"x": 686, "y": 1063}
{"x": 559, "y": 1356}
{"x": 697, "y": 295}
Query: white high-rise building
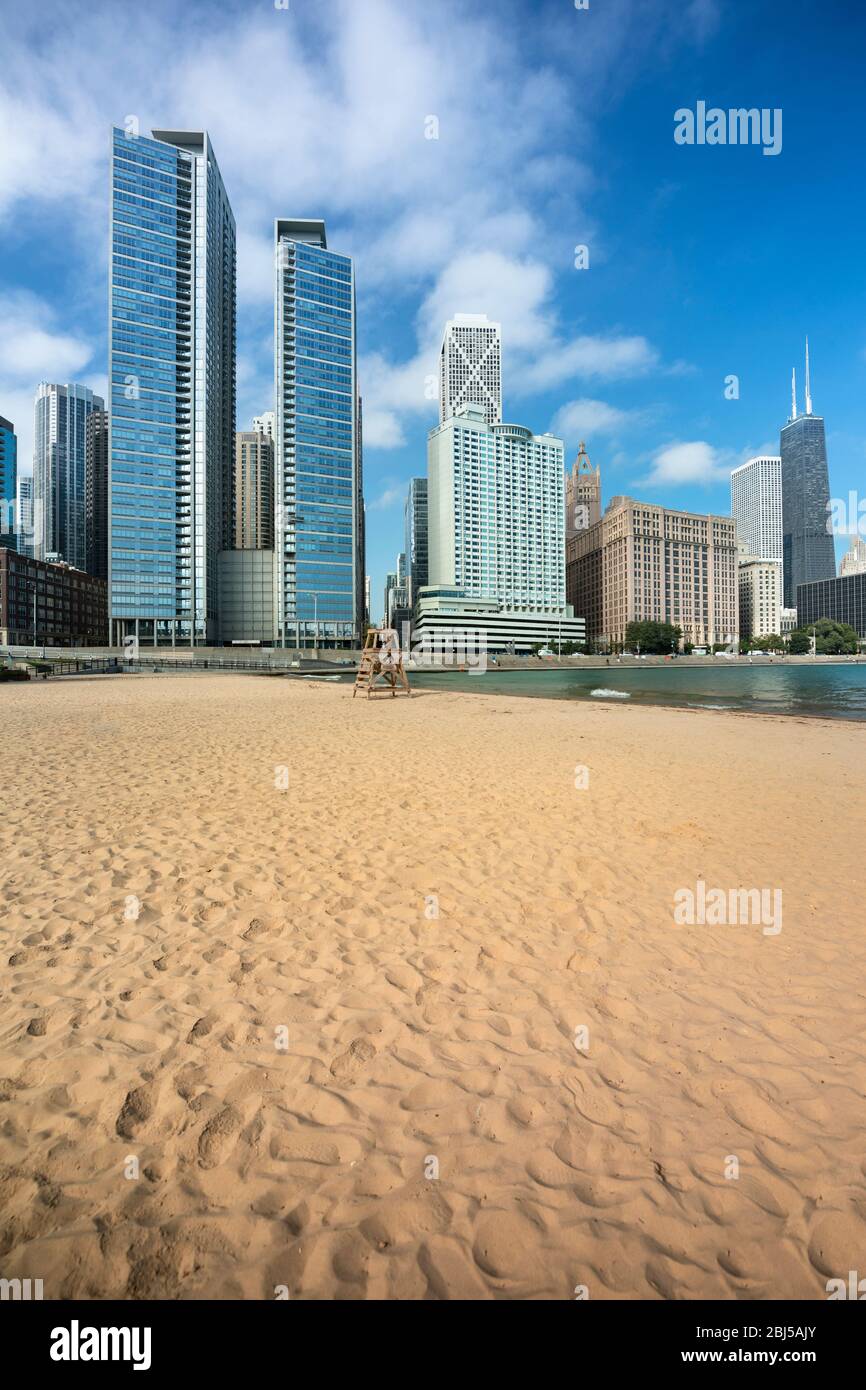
{"x": 266, "y": 424}
{"x": 496, "y": 512}
{"x": 756, "y": 506}
{"x": 470, "y": 367}
{"x": 854, "y": 560}
{"x": 760, "y": 596}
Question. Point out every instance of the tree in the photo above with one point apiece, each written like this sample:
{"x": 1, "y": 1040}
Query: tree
{"x": 831, "y": 639}
{"x": 659, "y": 638}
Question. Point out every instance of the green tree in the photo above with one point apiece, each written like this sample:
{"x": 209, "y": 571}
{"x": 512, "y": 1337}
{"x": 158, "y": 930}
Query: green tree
{"x": 799, "y": 643}
{"x": 657, "y": 638}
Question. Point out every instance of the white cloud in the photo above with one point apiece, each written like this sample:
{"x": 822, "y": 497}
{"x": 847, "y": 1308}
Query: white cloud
{"x": 680, "y": 464}
{"x": 33, "y": 350}
{"x": 605, "y": 357}
{"x": 584, "y": 418}
{"x": 389, "y": 498}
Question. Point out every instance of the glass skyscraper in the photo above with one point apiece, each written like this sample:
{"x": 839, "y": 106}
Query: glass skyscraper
{"x": 415, "y": 536}
{"x": 59, "y": 471}
{"x": 172, "y": 357}
{"x": 8, "y": 482}
{"x": 24, "y": 515}
{"x": 319, "y": 507}
{"x": 808, "y": 551}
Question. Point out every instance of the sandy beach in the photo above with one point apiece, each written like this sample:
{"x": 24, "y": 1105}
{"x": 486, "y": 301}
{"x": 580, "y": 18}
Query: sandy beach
{"x": 311, "y": 997}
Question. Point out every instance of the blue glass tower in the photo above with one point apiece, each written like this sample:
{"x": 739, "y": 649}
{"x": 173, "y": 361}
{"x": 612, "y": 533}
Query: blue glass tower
{"x": 172, "y": 360}
{"x": 319, "y": 508}
{"x": 415, "y": 536}
{"x": 8, "y": 482}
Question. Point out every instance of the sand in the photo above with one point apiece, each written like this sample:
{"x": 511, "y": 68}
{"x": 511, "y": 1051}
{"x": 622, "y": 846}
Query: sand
{"x": 242, "y": 1057}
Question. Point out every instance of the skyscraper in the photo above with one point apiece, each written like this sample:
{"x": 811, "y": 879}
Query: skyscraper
{"x": 317, "y": 454}
{"x": 807, "y": 545}
{"x": 415, "y": 537}
{"x": 24, "y": 514}
{"x": 497, "y": 512}
{"x": 582, "y": 495}
{"x": 172, "y": 351}
{"x": 96, "y": 494}
{"x": 8, "y": 481}
{"x": 59, "y": 471}
{"x": 254, "y": 491}
{"x": 756, "y": 506}
{"x": 470, "y": 367}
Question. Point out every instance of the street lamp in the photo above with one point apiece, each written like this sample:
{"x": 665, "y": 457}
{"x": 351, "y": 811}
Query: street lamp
{"x": 313, "y": 593}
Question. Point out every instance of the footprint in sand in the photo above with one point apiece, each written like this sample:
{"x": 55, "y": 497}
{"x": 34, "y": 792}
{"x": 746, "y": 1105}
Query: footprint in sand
{"x": 137, "y": 1109}
{"x": 217, "y": 1139}
{"x": 348, "y": 1064}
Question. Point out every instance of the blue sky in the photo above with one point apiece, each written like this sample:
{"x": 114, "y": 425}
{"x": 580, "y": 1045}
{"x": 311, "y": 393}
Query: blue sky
{"x": 555, "y": 130}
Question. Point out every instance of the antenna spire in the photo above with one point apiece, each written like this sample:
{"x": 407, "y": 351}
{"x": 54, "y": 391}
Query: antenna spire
{"x": 794, "y": 394}
{"x": 808, "y": 386}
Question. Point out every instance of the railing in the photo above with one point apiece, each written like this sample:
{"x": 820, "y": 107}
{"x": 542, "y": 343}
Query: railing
{"x": 50, "y": 666}
{"x": 209, "y": 663}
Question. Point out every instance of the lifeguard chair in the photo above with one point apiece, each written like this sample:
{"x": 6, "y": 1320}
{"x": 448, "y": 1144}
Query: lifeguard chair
{"x": 382, "y": 660}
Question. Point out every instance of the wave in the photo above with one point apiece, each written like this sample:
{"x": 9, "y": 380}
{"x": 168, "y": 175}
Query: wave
{"x": 611, "y": 694}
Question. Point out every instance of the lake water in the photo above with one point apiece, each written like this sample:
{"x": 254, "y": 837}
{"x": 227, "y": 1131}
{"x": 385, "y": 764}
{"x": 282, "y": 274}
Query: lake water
{"x": 822, "y": 691}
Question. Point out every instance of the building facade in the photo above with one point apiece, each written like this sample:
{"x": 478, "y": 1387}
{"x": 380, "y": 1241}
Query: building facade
{"x": 415, "y": 537}
{"x": 172, "y": 362}
{"x": 760, "y": 590}
{"x": 318, "y": 474}
{"x": 646, "y": 563}
{"x": 50, "y": 605}
{"x": 788, "y": 622}
{"x": 808, "y": 552}
{"x": 756, "y": 506}
{"x": 470, "y": 367}
{"x": 448, "y": 621}
{"x": 24, "y": 514}
{"x": 60, "y": 471}
{"x": 842, "y": 599}
{"x": 247, "y": 596}
{"x": 8, "y": 483}
{"x": 496, "y": 512}
{"x": 266, "y": 423}
{"x": 854, "y": 559}
{"x": 582, "y": 495}
{"x": 254, "y": 491}
{"x": 96, "y": 494}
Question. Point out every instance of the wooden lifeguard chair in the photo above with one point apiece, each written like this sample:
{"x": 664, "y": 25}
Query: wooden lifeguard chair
{"x": 382, "y": 660}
